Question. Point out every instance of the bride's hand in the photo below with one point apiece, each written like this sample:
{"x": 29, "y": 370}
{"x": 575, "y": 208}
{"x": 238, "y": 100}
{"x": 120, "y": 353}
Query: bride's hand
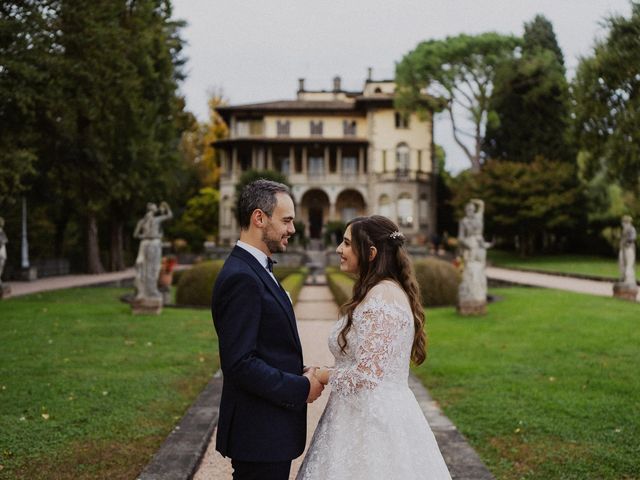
{"x": 323, "y": 374}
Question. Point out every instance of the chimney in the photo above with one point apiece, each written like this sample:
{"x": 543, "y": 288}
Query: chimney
{"x": 301, "y": 85}
{"x": 336, "y": 84}
{"x": 369, "y": 73}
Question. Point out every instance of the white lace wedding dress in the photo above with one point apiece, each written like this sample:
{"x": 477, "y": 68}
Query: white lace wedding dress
{"x": 373, "y": 427}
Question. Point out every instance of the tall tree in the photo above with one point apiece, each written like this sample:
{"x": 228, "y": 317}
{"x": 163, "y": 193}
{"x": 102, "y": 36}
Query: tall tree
{"x": 539, "y": 36}
{"x": 530, "y": 102}
{"x": 607, "y": 102}
{"x": 25, "y": 46}
{"x": 455, "y": 74}
{"x": 534, "y": 206}
{"x": 145, "y": 154}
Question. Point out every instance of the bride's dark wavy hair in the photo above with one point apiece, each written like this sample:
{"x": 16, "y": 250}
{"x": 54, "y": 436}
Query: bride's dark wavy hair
{"x": 391, "y": 263}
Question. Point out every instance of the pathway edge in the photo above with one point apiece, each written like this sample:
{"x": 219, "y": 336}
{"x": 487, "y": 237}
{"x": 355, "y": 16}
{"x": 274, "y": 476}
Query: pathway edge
{"x": 182, "y": 451}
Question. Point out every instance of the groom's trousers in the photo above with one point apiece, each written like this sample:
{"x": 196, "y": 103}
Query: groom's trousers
{"x": 260, "y": 470}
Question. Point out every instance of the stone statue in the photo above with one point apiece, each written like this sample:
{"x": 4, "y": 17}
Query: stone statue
{"x": 472, "y": 293}
{"x": 148, "y": 298}
{"x": 4, "y": 289}
{"x": 626, "y": 287}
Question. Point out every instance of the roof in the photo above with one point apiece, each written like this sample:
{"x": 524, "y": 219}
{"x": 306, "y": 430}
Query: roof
{"x": 291, "y": 141}
{"x": 291, "y": 105}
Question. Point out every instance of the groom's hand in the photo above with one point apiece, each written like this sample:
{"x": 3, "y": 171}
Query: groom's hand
{"x": 316, "y": 387}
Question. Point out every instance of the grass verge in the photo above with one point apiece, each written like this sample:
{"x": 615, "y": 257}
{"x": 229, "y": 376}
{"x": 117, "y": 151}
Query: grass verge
{"x": 588, "y": 265}
{"x": 545, "y": 386}
{"x": 89, "y": 391}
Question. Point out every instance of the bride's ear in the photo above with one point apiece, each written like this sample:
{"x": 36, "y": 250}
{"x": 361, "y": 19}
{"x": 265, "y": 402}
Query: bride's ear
{"x": 373, "y": 251}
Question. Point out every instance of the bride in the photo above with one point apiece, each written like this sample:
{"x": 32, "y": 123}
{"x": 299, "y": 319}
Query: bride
{"x": 373, "y": 427}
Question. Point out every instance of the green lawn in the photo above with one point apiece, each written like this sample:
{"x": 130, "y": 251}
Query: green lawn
{"x": 580, "y": 264}
{"x": 88, "y": 391}
{"x": 545, "y": 386}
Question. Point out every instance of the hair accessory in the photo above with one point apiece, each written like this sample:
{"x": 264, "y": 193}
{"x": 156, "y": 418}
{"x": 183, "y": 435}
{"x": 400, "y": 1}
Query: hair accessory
{"x": 396, "y": 235}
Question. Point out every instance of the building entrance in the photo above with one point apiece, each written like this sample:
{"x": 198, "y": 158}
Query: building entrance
{"x": 315, "y": 222}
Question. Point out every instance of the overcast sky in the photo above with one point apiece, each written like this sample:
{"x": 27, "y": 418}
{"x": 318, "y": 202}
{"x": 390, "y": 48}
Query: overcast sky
{"x": 255, "y": 50}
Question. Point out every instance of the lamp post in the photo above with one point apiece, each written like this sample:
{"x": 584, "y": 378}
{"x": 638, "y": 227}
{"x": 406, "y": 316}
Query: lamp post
{"x": 25, "y": 243}
{"x": 27, "y": 272}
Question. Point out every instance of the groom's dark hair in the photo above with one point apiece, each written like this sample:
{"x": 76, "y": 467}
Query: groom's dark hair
{"x": 260, "y": 194}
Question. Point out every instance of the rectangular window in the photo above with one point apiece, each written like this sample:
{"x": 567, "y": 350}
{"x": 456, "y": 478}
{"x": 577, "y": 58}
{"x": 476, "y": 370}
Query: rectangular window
{"x": 349, "y": 128}
{"x": 316, "y": 128}
{"x": 349, "y": 166}
{"x": 282, "y": 164}
{"x": 316, "y": 166}
{"x": 283, "y": 127}
{"x": 249, "y": 128}
{"x": 402, "y": 120}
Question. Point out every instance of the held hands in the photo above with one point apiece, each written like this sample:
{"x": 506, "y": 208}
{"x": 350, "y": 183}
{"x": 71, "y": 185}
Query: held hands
{"x": 316, "y": 387}
{"x": 323, "y": 374}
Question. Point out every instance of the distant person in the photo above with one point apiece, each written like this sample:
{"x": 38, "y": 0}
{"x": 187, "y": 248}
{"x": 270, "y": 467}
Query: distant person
{"x": 373, "y": 427}
{"x": 627, "y": 254}
{"x": 262, "y": 424}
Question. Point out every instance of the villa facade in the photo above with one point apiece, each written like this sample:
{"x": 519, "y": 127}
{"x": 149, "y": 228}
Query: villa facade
{"x": 345, "y": 153}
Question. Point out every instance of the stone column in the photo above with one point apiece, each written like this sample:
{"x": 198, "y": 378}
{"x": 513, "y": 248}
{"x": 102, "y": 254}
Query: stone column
{"x": 234, "y": 162}
{"x": 304, "y": 161}
{"x": 327, "y": 163}
{"x": 292, "y": 160}
{"x": 269, "y": 158}
{"x": 332, "y": 211}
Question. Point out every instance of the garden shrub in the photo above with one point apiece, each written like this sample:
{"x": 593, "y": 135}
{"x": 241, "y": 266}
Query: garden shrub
{"x": 196, "y": 284}
{"x": 438, "y": 281}
{"x": 283, "y": 272}
{"x": 293, "y": 283}
{"x": 340, "y": 284}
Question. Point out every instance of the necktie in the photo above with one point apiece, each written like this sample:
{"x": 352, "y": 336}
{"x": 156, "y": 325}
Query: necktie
{"x": 270, "y": 263}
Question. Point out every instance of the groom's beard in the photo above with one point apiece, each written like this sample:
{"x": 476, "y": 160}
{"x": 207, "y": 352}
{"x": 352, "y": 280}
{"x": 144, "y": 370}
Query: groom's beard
{"x": 273, "y": 244}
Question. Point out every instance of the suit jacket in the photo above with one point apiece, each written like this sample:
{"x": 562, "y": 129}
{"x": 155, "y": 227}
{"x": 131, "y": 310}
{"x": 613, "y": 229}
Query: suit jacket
{"x": 263, "y": 410}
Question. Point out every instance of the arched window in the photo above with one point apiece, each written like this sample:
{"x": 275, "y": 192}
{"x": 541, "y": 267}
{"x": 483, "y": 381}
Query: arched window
{"x": 385, "y": 206}
{"x": 405, "y": 210}
{"x": 403, "y": 158}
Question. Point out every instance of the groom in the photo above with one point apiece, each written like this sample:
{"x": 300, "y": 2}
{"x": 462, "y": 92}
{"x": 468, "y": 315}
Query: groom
{"x": 263, "y": 413}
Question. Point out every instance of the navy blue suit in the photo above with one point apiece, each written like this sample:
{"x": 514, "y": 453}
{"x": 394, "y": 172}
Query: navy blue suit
{"x": 263, "y": 410}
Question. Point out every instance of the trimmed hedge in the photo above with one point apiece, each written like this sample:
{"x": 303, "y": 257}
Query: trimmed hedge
{"x": 340, "y": 284}
{"x": 195, "y": 285}
{"x": 293, "y": 283}
{"x": 283, "y": 272}
{"x": 438, "y": 281}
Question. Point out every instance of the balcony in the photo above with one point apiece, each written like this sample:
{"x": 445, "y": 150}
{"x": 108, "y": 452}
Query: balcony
{"x": 403, "y": 176}
{"x": 248, "y": 129}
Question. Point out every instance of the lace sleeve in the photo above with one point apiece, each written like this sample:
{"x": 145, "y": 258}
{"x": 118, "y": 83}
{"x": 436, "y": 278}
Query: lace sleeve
{"x": 378, "y": 324}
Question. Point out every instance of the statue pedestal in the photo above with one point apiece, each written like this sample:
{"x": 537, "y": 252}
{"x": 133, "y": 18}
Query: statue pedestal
{"x": 146, "y": 306}
{"x": 472, "y": 307}
{"x": 625, "y": 291}
{"x": 28, "y": 274}
{"x": 5, "y": 291}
